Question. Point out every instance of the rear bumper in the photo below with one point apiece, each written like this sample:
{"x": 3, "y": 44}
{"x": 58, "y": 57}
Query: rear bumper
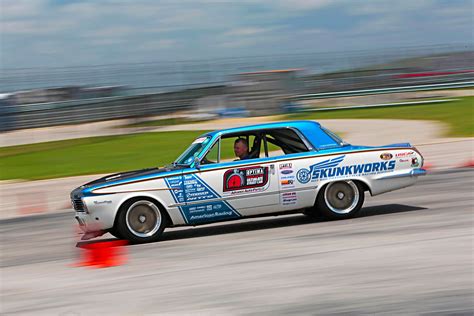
{"x": 418, "y": 172}
{"x": 396, "y": 180}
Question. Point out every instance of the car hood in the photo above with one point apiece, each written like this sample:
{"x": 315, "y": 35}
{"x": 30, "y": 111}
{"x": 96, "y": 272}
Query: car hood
{"x": 123, "y": 177}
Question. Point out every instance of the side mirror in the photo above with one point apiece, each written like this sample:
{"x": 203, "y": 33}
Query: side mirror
{"x": 197, "y": 164}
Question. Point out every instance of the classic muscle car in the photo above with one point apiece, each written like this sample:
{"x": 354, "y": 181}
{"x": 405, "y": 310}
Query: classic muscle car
{"x": 296, "y": 166}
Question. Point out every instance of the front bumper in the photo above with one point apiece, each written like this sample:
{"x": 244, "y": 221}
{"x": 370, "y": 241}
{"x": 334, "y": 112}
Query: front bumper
{"x": 90, "y": 229}
{"x": 87, "y": 223}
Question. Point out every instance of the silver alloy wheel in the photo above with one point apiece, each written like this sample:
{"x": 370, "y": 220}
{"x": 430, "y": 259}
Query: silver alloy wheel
{"x": 143, "y": 218}
{"x": 341, "y": 197}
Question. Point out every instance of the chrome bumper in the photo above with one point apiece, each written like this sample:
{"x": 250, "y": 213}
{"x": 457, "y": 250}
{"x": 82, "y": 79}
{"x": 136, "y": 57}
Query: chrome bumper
{"x": 409, "y": 173}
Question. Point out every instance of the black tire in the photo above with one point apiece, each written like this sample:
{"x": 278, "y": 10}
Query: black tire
{"x": 113, "y": 231}
{"x": 140, "y": 220}
{"x": 339, "y": 200}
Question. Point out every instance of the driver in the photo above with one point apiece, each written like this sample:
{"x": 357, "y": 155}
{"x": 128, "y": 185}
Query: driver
{"x": 241, "y": 148}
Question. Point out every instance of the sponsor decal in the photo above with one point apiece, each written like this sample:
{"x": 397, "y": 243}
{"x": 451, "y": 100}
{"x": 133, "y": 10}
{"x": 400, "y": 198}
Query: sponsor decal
{"x": 287, "y": 175}
{"x": 245, "y": 178}
{"x": 330, "y": 168}
{"x": 415, "y": 162}
{"x": 289, "y": 198}
{"x": 286, "y": 165}
{"x": 386, "y": 156}
{"x": 404, "y": 154}
{"x": 404, "y": 160}
{"x": 287, "y": 182}
{"x": 303, "y": 175}
{"x": 102, "y": 202}
{"x": 204, "y": 207}
{"x": 199, "y": 140}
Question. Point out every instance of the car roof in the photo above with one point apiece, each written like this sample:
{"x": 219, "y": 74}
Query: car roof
{"x": 311, "y": 130}
{"x": 302, "y": 126}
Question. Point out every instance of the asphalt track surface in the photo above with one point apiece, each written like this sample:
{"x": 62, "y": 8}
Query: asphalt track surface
{"x": 411, "y": 252}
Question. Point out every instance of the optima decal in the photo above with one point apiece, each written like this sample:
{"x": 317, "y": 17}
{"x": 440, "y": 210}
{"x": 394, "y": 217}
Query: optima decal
{"x": 245, "y": 178}
{"x": 329, "y": 168}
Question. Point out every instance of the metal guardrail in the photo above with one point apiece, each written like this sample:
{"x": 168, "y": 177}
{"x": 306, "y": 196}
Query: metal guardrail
{"x": 350, "y": 93}
{"x": 81, "y": 111}
{"x": 367, "y": 106}
{"x": 98, "y": 109}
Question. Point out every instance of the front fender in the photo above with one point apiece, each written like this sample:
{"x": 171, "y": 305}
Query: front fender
{"x": 103, "y": 209}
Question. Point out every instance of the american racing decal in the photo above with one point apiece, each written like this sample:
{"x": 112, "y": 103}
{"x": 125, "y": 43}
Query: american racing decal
{"x": 329, "y": 169}
{"x": 245, "y": 178}
{"x": 204, "y": 203}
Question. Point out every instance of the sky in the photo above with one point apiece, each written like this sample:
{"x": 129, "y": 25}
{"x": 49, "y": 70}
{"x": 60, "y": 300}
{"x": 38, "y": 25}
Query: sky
{"x": 57, "y": 33}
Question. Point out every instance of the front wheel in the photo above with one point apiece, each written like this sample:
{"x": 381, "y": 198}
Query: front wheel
{"x": 140, "y": 220}
{"x": 340, "y": 200}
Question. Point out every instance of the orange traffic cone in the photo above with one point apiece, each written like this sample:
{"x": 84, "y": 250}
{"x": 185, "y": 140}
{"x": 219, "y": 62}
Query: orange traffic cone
{"x": 428, "y": 166}
{"x": 103, "y": 254}
{"x": 467, "y": 164}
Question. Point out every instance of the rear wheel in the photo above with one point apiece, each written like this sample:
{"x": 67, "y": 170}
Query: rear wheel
{"x": 140, "y": 220}
{"x": 340, "y": 200}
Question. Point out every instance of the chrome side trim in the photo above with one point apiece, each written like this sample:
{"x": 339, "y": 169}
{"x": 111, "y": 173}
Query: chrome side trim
{"x": 418, "y": 172}
{"x": 230, "y": 198}
{"x": 309, "y": 188}
{"x": 410, "y": 173}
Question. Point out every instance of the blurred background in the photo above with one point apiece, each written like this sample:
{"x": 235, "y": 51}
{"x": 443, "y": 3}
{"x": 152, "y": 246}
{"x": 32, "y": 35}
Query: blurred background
{"x": 94, "y": 87}
{"x": 71, "y": 62}
{"x": 240, "y": 86}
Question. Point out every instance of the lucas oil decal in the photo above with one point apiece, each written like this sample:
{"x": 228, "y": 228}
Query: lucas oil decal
{"x": 245, "y": 178}
{"x": 329, "y": 168}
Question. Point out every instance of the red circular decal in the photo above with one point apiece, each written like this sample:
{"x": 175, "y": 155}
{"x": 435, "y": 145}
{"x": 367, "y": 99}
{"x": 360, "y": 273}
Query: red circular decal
{"x": 234, "y": 181}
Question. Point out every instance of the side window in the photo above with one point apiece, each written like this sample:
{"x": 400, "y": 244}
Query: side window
{"x": 273, "y": 150}
{"x": 283, "y": 142}
{"x": 254, "y": 150}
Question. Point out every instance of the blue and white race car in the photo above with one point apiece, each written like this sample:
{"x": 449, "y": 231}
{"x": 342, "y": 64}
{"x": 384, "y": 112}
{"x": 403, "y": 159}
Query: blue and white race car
{"x": 284, "y": 167}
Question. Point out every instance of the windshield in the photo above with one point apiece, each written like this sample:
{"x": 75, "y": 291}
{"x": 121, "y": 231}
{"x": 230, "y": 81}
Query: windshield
{"x": 194, "y": 150}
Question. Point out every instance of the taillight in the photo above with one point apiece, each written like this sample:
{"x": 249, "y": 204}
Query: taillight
{"x": 422, "y": 160}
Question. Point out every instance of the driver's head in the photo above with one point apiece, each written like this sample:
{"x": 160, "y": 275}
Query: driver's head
{"x": 241, "y": 148}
